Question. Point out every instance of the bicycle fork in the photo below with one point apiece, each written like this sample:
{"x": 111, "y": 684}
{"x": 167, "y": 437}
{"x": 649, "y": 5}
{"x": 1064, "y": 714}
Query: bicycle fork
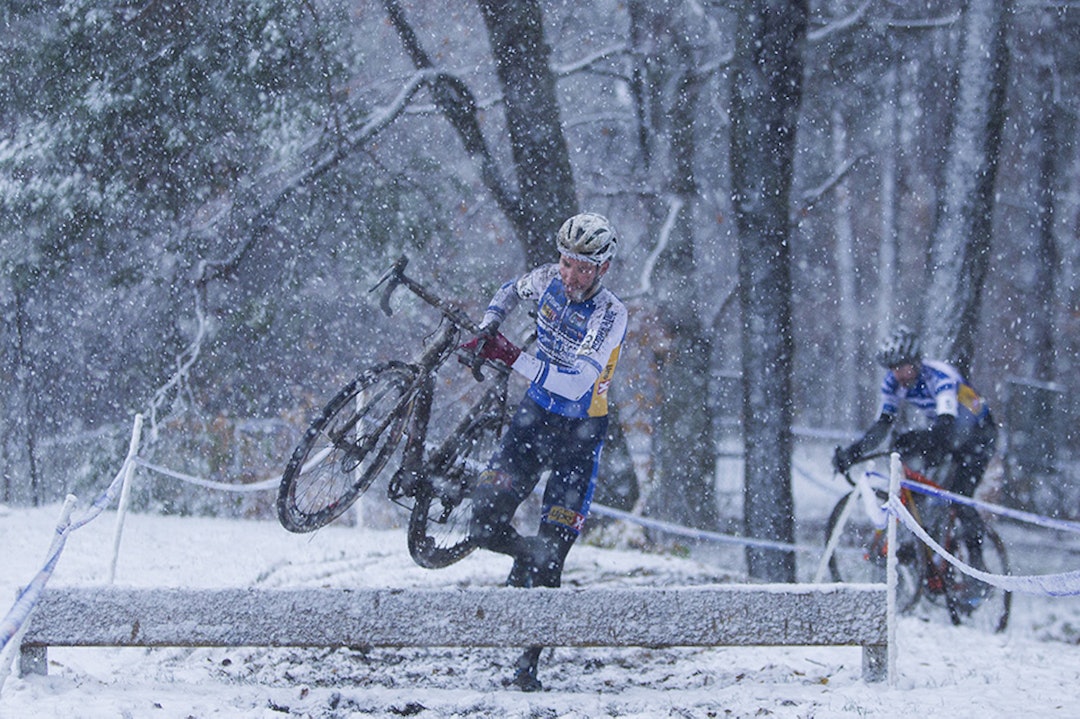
{"x": 410, "y": 474}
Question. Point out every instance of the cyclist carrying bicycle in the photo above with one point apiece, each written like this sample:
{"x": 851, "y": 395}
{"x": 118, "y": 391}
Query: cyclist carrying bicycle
{"x": 561, "y": 422}
{"x": 961, "y": 426}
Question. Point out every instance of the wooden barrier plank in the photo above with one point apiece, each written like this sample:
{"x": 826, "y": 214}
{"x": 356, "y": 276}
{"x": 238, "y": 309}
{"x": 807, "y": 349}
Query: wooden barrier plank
{"x": 717, "y": 615}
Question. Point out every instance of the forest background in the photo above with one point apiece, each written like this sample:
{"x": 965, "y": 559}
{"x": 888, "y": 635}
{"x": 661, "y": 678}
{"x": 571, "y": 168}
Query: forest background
{"x": 197, "y": 199}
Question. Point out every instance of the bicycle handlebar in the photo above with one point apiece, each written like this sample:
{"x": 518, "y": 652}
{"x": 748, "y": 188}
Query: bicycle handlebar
{"x": 874, "y": 455}
{"x": 396, "y": 276}
{"x": 909, "y": 473}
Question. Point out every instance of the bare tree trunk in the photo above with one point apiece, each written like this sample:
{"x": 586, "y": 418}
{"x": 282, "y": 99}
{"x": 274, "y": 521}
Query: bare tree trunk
{"x": 24, "y": 381}
{"x": 888, "y": 243}
{"x": 766, "y": 94}
{"x": 684, "y": 452}
{"x": 545, "y": 194}
{"x": 845, "y": 399}
{"x": 684, "y": 449}
{"x": 541, "y": 158}
{"x": 1049, "y": 259}
{"x": 960, "y": 254}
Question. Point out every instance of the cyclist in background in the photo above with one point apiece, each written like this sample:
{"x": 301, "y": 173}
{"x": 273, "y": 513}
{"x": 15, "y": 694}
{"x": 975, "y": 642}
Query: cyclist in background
{"x": 961, "y": 426}
{"x": 561, "y": 422}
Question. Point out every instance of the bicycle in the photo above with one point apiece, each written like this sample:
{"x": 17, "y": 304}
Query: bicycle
{"x": 350, "y": 443}
{"x": 921, "y": 574}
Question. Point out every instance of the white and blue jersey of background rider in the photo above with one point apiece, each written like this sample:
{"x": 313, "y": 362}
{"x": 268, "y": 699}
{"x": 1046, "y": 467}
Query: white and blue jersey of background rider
{"x": 939, "y": 390}
{"x": 577, "y": 343}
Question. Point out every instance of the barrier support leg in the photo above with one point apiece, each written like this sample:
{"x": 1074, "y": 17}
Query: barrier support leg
{"x": 33, "y": 660}
{"x": 875, "y": 662}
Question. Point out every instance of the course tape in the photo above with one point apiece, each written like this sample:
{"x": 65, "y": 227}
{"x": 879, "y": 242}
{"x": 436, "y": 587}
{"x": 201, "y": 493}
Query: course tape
{"x": 1066, "y": 584}
{"x": 682, "y": 531}
{"x": 873, "y": 510}
{"x": 598, "y": 509}
{"x": 260, "y": 486}
{"x": 28, "y": 596}
{"x": 1036, "y": 519}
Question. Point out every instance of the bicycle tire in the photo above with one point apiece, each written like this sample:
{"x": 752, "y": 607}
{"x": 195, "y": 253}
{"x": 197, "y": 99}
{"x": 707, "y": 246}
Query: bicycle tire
{"x": 968, "y": 600}
{"x": 331, "y": 467}
{"x": 442, "y": 510}
{"x": 865, "y": 558}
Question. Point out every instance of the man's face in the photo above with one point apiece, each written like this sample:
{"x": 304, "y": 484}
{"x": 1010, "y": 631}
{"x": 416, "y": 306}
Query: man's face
{"x": 580, "y": 277}
{"x": 906, "y": 373}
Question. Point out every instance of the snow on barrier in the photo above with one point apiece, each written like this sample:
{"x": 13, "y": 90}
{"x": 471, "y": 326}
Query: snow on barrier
{"x": 715, "y": 615}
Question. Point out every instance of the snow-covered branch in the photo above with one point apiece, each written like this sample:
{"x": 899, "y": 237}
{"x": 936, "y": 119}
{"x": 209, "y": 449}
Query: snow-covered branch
{"x": 811, "y": 196}
{"x": 176, "y": 385}
{"x": 587, "y": 62}
{"x": 645, "y": 284}
{"x": 848, "y": 21}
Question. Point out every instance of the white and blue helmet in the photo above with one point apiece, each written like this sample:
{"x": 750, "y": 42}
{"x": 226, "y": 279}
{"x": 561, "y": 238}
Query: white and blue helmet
{"x": 901, "y": 347}
{"x": 588, "y": 237}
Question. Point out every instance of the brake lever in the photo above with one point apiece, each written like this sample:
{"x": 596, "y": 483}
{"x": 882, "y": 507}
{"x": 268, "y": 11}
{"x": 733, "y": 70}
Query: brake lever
{"x": 477, "y": 362}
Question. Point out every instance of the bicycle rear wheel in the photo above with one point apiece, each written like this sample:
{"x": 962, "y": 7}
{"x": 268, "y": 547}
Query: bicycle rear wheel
{"x": 345, "y": 448}
{"x": 861, "y": 556}
{"x": 439, "y": 522}
{"x": 968, "y": 600}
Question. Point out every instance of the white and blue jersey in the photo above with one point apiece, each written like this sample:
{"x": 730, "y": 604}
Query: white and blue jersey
{"x": 939, "y": 390}
{"x": 577, "y": 343}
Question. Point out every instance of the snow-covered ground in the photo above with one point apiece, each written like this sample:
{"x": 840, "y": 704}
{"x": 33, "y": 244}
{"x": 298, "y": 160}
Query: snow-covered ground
{"x": 1033, "y": 669}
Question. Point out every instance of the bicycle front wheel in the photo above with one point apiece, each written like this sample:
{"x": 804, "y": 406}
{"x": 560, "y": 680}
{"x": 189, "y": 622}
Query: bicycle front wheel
{"x": 861, "y": 556}
{"x": 345, "y": 448}
{"x": 439, "y": 522}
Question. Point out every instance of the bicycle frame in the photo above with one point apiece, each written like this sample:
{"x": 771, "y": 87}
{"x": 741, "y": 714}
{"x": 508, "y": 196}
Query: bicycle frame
{"x": 421, "y": 463}
{"x": 929, "y": 575}
{"x": 416, "y": 459}
{"x": 382, "y": 419}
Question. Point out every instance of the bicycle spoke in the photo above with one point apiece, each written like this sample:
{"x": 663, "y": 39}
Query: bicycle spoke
{"x": 346, "y": 448}
{"x": 439, "y": 524}
{"x": 314, "y": 461}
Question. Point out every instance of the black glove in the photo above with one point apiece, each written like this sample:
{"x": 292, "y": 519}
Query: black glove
{"x": 916, "y": 443}
{"x": 844, "y": 457}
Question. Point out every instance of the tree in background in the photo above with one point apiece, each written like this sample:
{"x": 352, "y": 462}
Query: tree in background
{"x": 125, "y": 129}
{"x": 669, "y": 84}
{"x": 196, "y": 198}
{"x": 766, "y": 92}
{"x": 960, "y": 253}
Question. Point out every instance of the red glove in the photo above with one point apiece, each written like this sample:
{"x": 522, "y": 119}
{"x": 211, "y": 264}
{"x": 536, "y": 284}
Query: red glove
{"x": 500, "y": 349}
{"x": 494, "y": 347}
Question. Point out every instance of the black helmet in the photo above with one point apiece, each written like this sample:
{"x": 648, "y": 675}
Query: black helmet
{"x": 901, "y": 347}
